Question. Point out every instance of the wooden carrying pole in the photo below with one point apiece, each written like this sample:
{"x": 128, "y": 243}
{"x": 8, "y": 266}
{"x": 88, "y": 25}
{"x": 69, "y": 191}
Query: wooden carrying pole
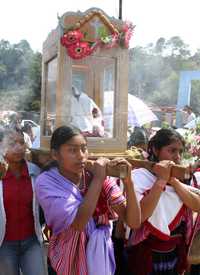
{"x": 41, "y": 157}
{"x": 177, "y": 171}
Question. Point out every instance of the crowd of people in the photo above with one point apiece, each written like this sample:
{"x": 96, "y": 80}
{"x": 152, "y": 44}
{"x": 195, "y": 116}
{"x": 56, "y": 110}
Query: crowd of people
{"x": 31, "y": 136}
{"x": 95, "y": 224}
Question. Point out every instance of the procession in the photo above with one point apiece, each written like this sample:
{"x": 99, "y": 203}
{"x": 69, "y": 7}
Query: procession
{"x": 96, "y": 177}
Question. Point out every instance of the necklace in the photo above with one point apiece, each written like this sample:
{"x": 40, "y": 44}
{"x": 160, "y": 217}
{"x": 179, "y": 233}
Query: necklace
{"x": 82, "y": 186}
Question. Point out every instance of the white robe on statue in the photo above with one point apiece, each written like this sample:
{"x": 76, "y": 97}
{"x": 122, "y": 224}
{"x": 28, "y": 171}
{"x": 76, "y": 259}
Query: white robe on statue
{"x": 81, "y": 112}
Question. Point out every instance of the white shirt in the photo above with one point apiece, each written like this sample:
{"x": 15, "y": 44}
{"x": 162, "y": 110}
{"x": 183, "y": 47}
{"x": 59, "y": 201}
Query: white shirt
{"x": 27, "y": 140}
{"x": 81, "y": 112}
{"x": 191, "y": 117}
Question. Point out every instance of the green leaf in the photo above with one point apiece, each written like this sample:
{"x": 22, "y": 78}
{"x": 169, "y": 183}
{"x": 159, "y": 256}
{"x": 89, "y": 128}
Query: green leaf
{"x": 102, "y": 32}
{"x": 106, "y": 39}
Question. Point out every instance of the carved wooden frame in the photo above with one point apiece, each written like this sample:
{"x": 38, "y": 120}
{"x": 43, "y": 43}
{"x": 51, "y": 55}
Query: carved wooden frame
{"x": 52, "y": 48}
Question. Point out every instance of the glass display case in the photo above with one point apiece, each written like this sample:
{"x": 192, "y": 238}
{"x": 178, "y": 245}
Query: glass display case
{"x": 85, "y": 80}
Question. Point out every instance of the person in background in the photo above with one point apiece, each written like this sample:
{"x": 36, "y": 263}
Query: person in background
{"x": 160, "y": 246}
{"x": 190, "y": 115}
{"x": 20, "y": 231}
{"x": 78, "y": 206}
{"x": 28, "y": 130}
{"x": 36, "y": 142}
{"x": 15, "y": 123}
{"x": 138, "y": 138}
{"x": 98, "y": 123}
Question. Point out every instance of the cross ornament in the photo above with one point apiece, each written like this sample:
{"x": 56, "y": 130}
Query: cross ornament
{"x": 96, "y": 24}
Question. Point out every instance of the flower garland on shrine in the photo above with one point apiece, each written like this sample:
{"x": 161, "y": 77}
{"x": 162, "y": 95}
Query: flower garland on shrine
{"x": 192, "y": 148}
{"x": 78, "y": 47}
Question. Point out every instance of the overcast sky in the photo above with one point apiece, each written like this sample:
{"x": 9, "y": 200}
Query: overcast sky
{"x": 34, "y": 19}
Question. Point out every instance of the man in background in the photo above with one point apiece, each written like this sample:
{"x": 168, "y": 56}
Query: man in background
{"x": 190, "y": 115}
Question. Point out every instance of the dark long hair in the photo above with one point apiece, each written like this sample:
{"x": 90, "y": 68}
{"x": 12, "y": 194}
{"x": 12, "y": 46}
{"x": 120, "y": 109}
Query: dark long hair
{"x": 59, "y": 137}
{"x": 162, "y": 138}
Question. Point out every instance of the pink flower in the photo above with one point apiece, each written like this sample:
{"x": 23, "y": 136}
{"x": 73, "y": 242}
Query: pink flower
{"x": 71, "y": 38}
{"x": 197, "y": 139}
{"x": 127, "y": 29}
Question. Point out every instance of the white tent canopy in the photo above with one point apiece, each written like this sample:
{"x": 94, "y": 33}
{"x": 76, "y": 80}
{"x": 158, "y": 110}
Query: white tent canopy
{"x": 138, "y": 112}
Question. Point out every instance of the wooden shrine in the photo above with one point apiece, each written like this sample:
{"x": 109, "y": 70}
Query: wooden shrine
{"x": 85, "y": 79}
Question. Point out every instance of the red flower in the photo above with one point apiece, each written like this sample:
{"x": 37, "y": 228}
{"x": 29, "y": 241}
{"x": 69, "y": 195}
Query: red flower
{"x": 79, "y": 50}
{"x": 71, "y": 38}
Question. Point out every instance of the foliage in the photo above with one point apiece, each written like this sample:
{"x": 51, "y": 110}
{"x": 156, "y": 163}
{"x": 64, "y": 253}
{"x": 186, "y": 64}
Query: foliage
{"x": 195, "y": 99}
{"x": 14, "y": 99}
{"x": 154, "y": 71}
{"x": 35, "y": 78}
{"x": 20, "y": 76}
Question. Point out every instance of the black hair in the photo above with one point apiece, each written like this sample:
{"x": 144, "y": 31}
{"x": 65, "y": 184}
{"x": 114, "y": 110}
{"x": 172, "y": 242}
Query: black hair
{"x": 138, "y": 137}
{"x": 27, "y": 127}
{"x": 62, "y": 135}
{"x": 188, "y": 107}
{"x": 59, "y": 137}
{"x": 162, "y": 138}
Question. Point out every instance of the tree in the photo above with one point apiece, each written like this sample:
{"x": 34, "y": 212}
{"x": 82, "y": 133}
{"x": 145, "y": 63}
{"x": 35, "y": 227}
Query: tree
{"x": 154, "y": 71}
{"x": 14, "y": 64}
{"x": 20, "y": 74}
{"x": 35, "y": 72}
{"x": 160, "y": 45}
{"x": 195, "y": 98}
{"x": 177, "y": 47}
